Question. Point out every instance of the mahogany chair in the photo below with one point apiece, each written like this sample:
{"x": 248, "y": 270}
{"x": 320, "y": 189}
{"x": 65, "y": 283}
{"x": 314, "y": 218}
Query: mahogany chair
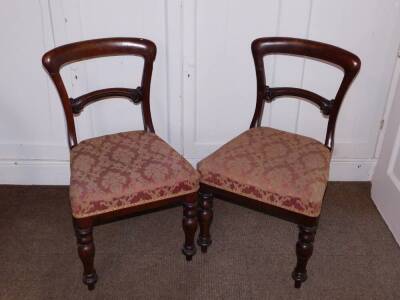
{"x": 117, "y": 175}
{"x": 283, "y": 174}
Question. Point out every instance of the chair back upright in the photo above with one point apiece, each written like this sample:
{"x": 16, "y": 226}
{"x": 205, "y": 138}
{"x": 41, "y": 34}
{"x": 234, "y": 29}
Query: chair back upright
{"x": 347, "y": 61}
{"x": 55, "y": 59}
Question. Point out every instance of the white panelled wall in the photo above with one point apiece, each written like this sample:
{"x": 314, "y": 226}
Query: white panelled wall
{"x": 203, "y": 89}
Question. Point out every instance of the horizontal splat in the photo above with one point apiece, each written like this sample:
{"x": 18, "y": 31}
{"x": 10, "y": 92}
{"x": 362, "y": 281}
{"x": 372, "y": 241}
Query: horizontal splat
{"x": 79, "y": 103}
{"x": 324, "y": 104}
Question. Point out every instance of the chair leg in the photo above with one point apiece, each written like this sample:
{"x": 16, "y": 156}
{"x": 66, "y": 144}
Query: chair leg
{"x": 86, "y": 251}
{"x": 304, "y": 250}
{"x": 189, "y": 224}
{"x": 205, "y": 215}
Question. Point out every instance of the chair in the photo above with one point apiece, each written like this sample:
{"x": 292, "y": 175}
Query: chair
{"x": 117, "y": 175}
{"x": 281, "y": 173}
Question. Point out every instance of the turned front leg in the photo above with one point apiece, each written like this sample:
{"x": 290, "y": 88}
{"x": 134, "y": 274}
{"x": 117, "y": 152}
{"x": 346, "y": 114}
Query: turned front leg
{"x": 86, "y": 251}
{"x": 189, "y": 224}
{"x": 205, "y": 215}
{"x": 304, "y": 250}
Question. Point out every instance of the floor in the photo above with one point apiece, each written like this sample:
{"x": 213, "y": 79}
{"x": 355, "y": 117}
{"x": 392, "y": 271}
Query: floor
{"x": 252, "y": 255}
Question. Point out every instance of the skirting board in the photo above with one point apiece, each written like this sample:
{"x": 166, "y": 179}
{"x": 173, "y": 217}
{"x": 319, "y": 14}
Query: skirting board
{"x": 34, "y": 172}
{"x": 42, "y": 172}
{"x": 344, "y": 169}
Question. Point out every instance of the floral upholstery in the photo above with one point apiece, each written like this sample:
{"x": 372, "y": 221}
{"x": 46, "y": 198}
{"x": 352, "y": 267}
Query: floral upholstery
{"x": 276, "y": 167}
{"x": 121, "y": 170}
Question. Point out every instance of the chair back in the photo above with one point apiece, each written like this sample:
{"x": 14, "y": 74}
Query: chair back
{"x": 347, "y": 61}
{"x": 55, "y": 59}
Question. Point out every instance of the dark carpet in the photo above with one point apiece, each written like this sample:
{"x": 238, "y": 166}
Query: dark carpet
{"x": 252, "y": 255}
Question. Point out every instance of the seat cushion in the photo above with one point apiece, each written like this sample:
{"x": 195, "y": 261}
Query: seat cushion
{"x": 276, "y": 167}
{"x": 126, "y": 169}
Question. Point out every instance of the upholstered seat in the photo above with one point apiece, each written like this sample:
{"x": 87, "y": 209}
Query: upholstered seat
{"x": 118, "y": 175}
{"x": 276, "y": 167}
{"x": 117, "y": 171}
{"x": 281, "y": 173}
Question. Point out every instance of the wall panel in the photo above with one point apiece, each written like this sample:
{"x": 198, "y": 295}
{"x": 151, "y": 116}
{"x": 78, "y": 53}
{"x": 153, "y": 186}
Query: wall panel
{"x": 220, "y": 82}
{"x": 203, "y": 89}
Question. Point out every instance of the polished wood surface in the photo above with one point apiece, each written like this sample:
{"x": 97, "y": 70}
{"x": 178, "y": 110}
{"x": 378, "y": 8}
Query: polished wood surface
{"x": 53, "y": 61}
{"x": 345, "y": 60}
{"x": 79, "y": 103}
{"x": 350, "y": 64}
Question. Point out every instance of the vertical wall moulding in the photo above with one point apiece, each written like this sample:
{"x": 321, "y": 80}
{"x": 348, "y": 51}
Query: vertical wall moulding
{"x": 35, "y": 154}
{"x": 299, "y": 103}
{"x": 269, "y": 108}
{"x": 394, "y": 162}
{"x": 174, "y": 50}
{"x": 294, "y": 21}
{"x": 69, "y": 15}
{"x": 391, "y": 97}
{"x": 189, "y": 89}
{"x": 210, "y": 92}
{"x": 216, "y": 42}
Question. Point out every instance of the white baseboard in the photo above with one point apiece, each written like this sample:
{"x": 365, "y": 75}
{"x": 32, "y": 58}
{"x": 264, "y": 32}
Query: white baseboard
{"x": 352, "y": 169}
{"x": 34, "y": 172}
{"x": 47, "y": 172}
{"x": 343, "y": 169}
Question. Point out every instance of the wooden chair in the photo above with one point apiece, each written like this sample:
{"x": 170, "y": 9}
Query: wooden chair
{"x": 281, "y": 173}
{"x": 116, "y": 175}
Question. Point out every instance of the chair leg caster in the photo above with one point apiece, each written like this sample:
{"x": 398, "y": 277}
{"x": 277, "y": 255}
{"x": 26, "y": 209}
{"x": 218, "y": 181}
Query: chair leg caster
{"x": 299, "y": 278}
{"x": 189, "y": 258}
{"x": 204, "y": 243}
{"x": 90, "y": 280}
{"x": 189, "y": 252}
{"x": 297, "y": 284}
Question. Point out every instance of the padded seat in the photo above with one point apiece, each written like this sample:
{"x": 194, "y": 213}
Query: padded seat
{"x": 269, "y": 165}
{"x": 121, "y": 170}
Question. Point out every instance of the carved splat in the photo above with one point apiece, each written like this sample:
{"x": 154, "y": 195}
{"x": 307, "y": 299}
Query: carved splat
{"x": 79, "y": 103}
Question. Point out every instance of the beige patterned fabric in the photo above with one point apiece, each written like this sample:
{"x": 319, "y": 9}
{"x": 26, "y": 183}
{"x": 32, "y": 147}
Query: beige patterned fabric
{"x": 126, "y": 169}
{"x": 276, "y": 167}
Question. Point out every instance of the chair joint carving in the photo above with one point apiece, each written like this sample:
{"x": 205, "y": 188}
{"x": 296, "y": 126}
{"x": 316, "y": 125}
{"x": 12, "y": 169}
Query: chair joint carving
{"x": 326, "y": 106}
{"x": 268, "y": 94}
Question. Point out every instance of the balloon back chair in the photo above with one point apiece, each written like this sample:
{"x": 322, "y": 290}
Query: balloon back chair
{"x": 120, "y": 174}
{"x": 284, "y": 174}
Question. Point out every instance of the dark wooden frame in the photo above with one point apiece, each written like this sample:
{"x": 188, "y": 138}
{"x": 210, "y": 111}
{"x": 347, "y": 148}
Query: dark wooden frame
{"x": 350, "y": 64}
{"x": 53, "y": 61}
